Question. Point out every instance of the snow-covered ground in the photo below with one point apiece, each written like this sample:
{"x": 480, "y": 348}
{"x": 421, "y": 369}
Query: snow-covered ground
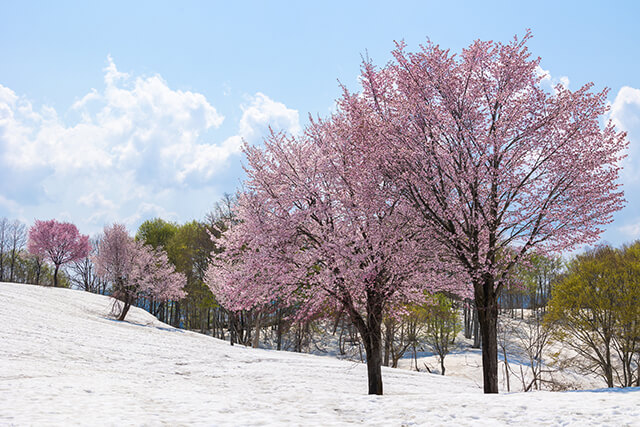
{"x": 64, "y": 361}
{"x": 463, "y": 361}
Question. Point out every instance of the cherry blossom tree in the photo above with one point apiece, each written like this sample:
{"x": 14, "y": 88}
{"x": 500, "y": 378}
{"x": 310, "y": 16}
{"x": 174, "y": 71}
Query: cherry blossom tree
{"x": 58, "y": 242}
{"x": 320, "y": 229}
{"x": 494, "y": 165}
{"x": 135, "y": 270}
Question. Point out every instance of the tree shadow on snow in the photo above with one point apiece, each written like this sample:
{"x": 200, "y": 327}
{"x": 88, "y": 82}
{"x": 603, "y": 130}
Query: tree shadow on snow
{"x": 607, "y": 390}
{"x": 162, "y": 328}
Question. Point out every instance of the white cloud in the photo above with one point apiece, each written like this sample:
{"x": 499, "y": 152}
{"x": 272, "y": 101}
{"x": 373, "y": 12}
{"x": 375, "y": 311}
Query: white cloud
{"x": 137, "y": 146}
{"x": 264, "y": 112}
{"x": 81, "y": 103}
{"x": 624, "y": 109}
{"x": 9, "y": 204}
{"x": 96, "y": 199}
{"x": 630, "y": 231}
{"x": 625, "y": 114}
{"x": 148, "y": 210}
{"x": 548, "y": 82}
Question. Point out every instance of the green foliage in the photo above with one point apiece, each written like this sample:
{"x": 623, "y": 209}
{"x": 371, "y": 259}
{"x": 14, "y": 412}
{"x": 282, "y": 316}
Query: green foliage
{"x": 596, "y": 311}
{"x": 156, "y": 232}
{"x": 33, "y": 270}
{"x": 190, "y": 249}
{"x": 442, "y": 317}
{"x": 531, "y": 282}
{"x": 435, "y": 323}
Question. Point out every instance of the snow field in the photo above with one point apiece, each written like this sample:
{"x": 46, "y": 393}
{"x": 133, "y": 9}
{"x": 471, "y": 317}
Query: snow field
{"x": 64, "y": 361}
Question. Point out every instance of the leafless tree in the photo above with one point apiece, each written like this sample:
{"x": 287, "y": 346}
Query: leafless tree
{"x": 4, "y": 237}
{"x": 17, "y": 240}
{"x": 83, "y": 271}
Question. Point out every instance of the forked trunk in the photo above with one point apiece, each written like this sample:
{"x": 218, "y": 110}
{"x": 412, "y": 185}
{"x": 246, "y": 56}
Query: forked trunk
{"x": 126, "y": 305}
{"x": 487, "y": 306}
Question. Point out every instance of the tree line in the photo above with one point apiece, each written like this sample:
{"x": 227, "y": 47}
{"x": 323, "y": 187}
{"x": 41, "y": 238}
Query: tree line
{"x": 590, "y": 304}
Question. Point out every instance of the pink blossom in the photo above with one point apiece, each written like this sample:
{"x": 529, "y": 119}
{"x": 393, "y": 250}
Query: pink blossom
{"x": 58, "y": 242}
{"x": 136, "y": 270}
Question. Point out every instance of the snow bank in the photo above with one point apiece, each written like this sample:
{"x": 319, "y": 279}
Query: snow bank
{"x": 64, "y": 361}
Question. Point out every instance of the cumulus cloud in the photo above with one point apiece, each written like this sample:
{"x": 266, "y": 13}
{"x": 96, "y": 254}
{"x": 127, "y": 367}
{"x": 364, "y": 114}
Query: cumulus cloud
{"x": 137, "y": 145}
{"x": 263, "y": 112}
{"x": 549, "y": 82}
{"x": 625, "y": 114}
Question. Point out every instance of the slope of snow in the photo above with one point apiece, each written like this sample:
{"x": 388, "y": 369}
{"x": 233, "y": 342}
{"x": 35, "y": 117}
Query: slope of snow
{"x": 64, "y": 361}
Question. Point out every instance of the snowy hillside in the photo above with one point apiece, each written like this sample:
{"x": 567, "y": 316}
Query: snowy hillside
{"x": 64, "y": 361}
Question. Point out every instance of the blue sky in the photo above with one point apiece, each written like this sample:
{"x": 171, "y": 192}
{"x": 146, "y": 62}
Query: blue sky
{"x": 124, "y": 111}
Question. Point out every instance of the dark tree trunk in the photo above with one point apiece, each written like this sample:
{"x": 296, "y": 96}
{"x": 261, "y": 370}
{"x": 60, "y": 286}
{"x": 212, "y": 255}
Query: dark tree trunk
{"x": 221, "y": 323}
{"x": 372, "y": 346}
{"x": 125, "y": 298}
{"x": 233, "y": 336}
{"x": 125, "y": 308}
{"x": 371, "y": 333}
{"x": 55, "y": 276}
{"x": 467, "y": 320}
{"x": 38, "y": 268}
{"x": 176, "y": 314}
{"x": 279, "y": 331}
{"x": 477, "y": 337}
{"x": 388, "y": 340}
{"x": 608, "y": 367}
{"x": 487, "y": 306}
{"x": 258, "y": 324}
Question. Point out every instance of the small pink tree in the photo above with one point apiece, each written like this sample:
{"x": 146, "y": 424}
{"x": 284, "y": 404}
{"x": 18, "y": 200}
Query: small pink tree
{"x": 135, "y": 270}
{"x": 322, "y": 230}
{"x": 58, "y": 242}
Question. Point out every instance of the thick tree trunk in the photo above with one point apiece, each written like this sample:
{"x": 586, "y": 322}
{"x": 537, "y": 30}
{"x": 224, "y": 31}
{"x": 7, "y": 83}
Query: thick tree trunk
{"x": 371, "y": 333}
{"x": 487, "y": 306}
{"x": 374, "y": 361}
